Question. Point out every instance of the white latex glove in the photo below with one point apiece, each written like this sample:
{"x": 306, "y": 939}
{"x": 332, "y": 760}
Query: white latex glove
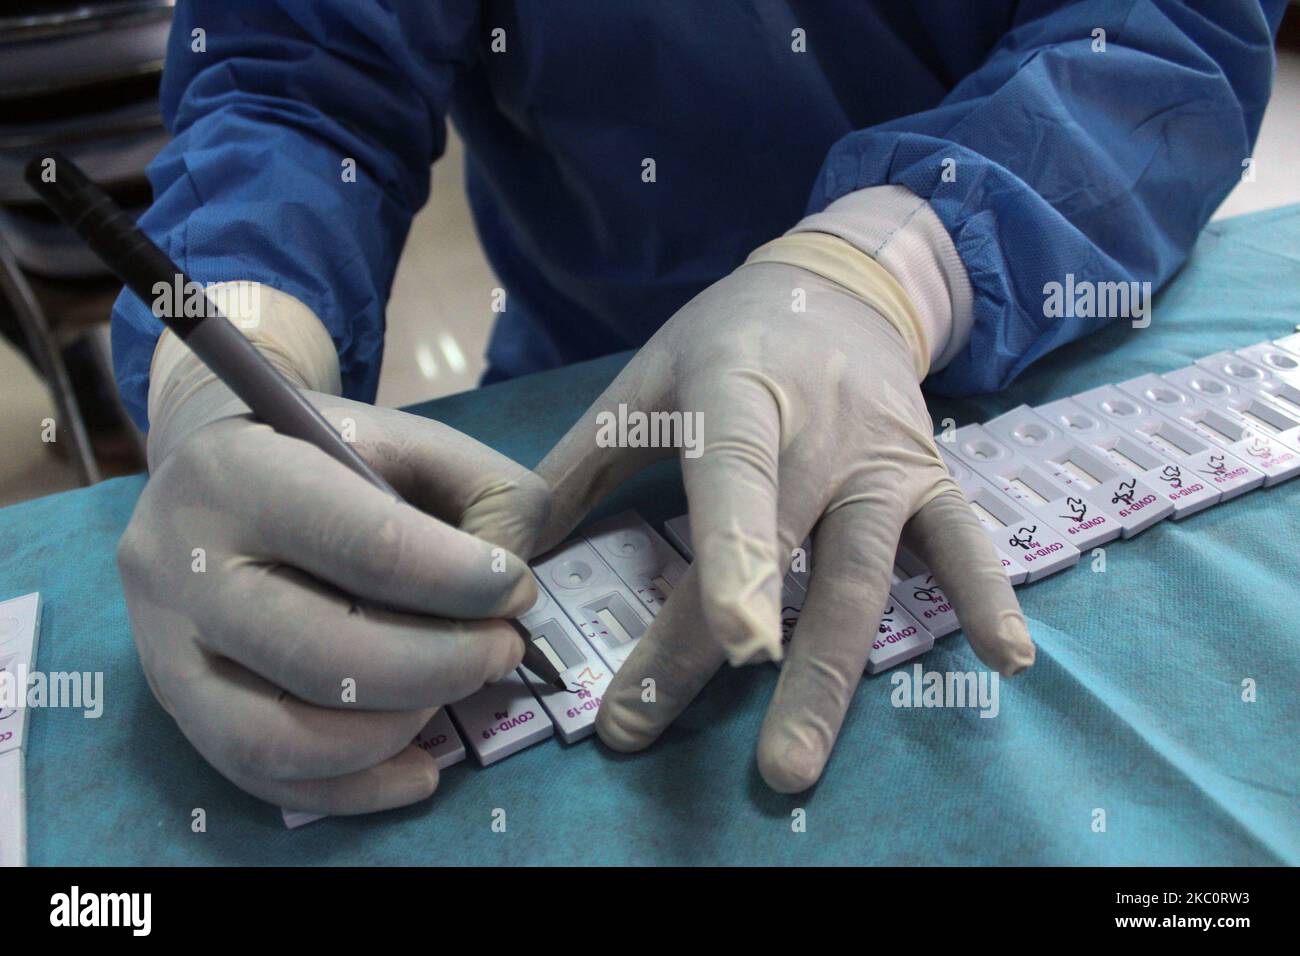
{"x": 812, "y": 421}
{"x": 254, "y": 656}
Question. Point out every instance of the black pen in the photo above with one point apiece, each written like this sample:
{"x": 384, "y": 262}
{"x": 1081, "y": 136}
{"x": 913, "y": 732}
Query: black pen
{"x": 271, "y": 397}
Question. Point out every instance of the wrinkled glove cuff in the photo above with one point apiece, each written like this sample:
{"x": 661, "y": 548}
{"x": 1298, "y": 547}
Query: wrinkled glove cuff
{"x": 900, "y": 231}
{"x": 858, "y": 274}
{"x": 184, "y": 394}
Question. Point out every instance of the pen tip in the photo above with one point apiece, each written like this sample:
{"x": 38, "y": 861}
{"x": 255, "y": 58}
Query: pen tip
{"x": 559, "y": 684}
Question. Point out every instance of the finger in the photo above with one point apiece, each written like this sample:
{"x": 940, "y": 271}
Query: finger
{"x": 946, "y": 534}
{"x": 677, "y": 655}
{"x": 450, "y": 475}
{"x": 589, "y": 461}
{"x": 328, "y": 650}
{"x": 408, "y": 777}
{"x": 732, "y": 490}
{"x": 250, "y": 729}
{"x": 441, "y": 470}
{"x": 855, "y": 545}
{"x": 317, "y": 515}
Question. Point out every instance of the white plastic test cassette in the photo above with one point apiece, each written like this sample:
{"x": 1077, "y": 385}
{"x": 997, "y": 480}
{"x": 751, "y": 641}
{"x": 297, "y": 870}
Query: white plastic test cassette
{"x": 899, "y": 638}
{"x": 1130, "y": 500}
{"x": 438, "y": 739}
{"x": 800, "y": 572}
{"x": 1261, "y": 369}
{"x": 1276, "y": 357}
{"x": 580, "y": 667}
{"x": 20, "y": 628}
{"x": 922, "y": 597}
{"x": 1210, "y": 464}
{"x": 1031, "y": 543}
{"x": 643, "y": 560}
{"x": 1180, "y": 487}
{"x": 1057, "y": 499}
{"x": 605, "y": 610}
{"x": 915, "y": 588}
{"x": 501, "y": 719}
{"x": 13, "y": 806}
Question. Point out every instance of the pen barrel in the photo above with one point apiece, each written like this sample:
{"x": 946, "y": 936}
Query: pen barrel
{"x": 107, "y": 229}
{"x": 271, "y": 397}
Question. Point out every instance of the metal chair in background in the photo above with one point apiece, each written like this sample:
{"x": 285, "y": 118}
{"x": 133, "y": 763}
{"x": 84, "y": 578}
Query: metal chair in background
{"x": 82, "y": 78}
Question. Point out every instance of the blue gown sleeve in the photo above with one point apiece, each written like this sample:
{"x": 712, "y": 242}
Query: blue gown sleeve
{"x": 1068, "y": 158}
{"x": 270, "y": 102}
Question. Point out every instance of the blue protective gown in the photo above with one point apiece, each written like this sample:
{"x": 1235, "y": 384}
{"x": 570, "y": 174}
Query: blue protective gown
{"x": 1069, "y": 158}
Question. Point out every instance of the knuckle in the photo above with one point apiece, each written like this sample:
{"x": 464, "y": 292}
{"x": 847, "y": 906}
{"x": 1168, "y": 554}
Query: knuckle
{"x": 533, "y": 495}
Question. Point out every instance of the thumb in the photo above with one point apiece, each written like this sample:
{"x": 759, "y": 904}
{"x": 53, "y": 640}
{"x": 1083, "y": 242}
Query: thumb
{"x": 510, "y": 513}
{"x": 447, "y": 473}
{"x": 592, "y": 459}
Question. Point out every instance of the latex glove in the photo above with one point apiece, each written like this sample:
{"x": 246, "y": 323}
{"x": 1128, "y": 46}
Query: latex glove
{"x": 254, "y": 655}
{"x": 812, "y": 421}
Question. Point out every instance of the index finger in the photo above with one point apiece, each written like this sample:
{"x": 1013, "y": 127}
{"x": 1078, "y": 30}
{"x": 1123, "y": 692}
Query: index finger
{"x": 323, "y": 519}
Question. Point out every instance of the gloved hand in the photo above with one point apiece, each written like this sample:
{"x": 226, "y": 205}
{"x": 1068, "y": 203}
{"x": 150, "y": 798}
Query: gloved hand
{"x": 323, "y": 623}
{"x": 812, "y": 421}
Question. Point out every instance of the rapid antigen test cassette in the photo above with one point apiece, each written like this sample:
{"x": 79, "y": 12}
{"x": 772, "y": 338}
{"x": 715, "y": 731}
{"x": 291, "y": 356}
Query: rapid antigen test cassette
{"x": 899, "y": 638}
{"x": 1031, "y": 543}
{"x": 1256, "y": 409}
{"x": 501, "y": 719}
{"x": 20, "y": 627}
{"x": 1262, "y": 369}
{"x": 580, "y": 667}
{"x": 13, "y": 801}
{"x": 913, "y": 586}
{"x": 1289, "y": 344}
{"x": 643, "y": 561}
{"x": 440, "y": 741}
{"x": 922, "y": 597}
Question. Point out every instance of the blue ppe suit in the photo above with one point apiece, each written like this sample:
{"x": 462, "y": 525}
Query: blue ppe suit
{"x": 1090, "y": 138}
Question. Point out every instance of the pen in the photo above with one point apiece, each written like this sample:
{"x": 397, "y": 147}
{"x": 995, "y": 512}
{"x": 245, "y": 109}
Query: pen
{"x": 271, "y": 397}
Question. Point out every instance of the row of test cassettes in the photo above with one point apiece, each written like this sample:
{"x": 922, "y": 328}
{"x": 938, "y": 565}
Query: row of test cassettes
{"x": 1047, "y": 483}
